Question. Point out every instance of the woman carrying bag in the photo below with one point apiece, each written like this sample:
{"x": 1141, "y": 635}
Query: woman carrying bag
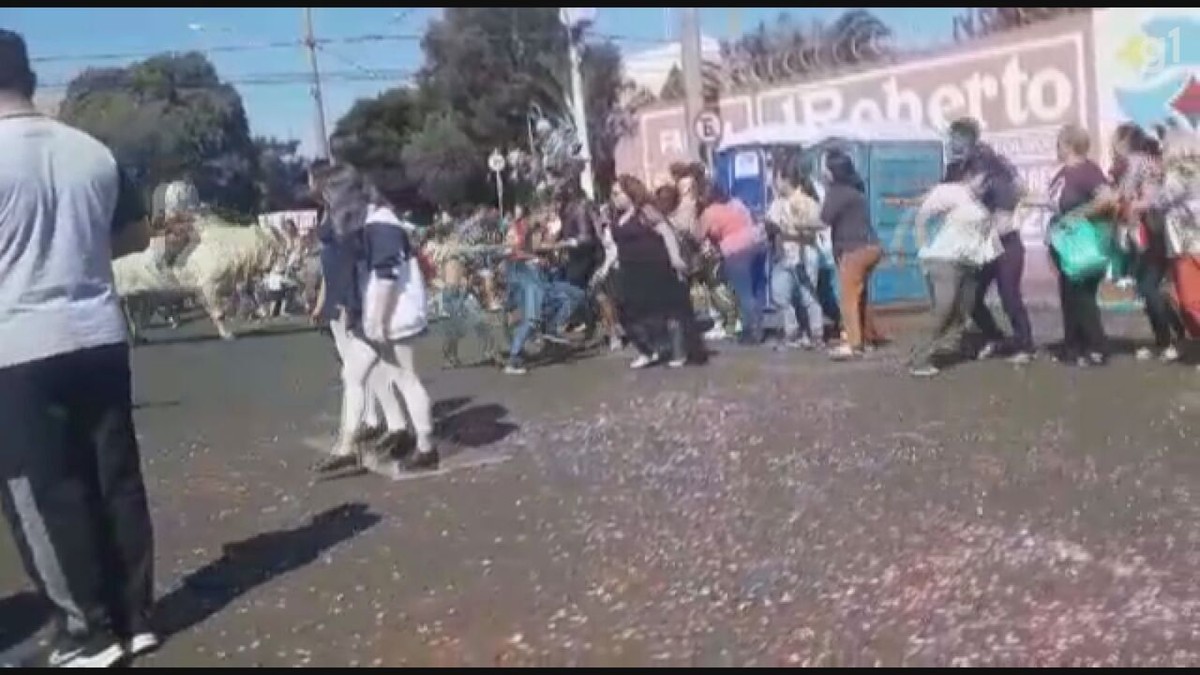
{"x": 1079, "y": 246}
{"x": 393, "y": 303}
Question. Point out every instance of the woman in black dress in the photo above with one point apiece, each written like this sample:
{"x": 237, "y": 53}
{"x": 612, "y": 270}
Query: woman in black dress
{"x": 655, "y": 305}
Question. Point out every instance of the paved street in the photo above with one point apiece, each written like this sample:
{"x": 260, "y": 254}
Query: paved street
{"x": 770, "y": 509}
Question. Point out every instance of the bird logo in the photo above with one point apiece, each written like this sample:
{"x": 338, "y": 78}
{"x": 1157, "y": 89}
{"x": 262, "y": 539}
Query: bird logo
{"x": 1164, "y": 57}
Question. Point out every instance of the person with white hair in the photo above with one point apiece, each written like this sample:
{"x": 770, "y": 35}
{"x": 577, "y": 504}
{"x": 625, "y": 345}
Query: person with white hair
{"x": 954, "y": 261}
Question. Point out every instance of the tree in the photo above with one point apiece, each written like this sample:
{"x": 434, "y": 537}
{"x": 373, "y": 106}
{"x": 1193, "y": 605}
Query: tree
{"x": 171, "y": 117}
{"x": 445, "y": 161}
{"x": 485, "y": 70}
{"x": 372, "y": 137}
{"x": 672, "y": 89}
{"x": 605, "y": 89}
{"x": 978, "y": 22}
{"x": 492, "y": 65}
{"x": 283, "y": 175}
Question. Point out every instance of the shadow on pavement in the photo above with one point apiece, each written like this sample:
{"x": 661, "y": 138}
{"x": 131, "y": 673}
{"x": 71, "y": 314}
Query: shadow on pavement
{"x": 449, "y": 406}
{"x": 21, "y": 616}
{"x": 242, "y": 333}
{"x": 252, "y": 562}
{"x": 476, "y": 426}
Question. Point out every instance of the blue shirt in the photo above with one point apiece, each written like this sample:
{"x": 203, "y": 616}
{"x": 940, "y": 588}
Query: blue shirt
{"x": 341, "y": 269}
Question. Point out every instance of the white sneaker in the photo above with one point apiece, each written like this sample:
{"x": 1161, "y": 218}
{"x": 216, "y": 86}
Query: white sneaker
{"x": 843, "y": 352}
{"x": 1144, "y": 354}
{"x": 142, "y": 643}
{"x": 1021, "y": 359}
{"x": 643, "y": 361}
{"x": 716, "y": 333}
{"x": 1169, "y": 355}
{"x": 614, "y": 344}
{"x": 987, "y": 351}
{"x": 99, "y": 651}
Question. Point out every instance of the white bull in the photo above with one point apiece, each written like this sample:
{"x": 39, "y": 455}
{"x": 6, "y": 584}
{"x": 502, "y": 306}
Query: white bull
{"x": 223, "y": 257}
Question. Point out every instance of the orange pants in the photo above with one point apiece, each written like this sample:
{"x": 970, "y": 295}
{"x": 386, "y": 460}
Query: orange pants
{"x": 1185, "y": 276}
{"x": 854, "y": 276}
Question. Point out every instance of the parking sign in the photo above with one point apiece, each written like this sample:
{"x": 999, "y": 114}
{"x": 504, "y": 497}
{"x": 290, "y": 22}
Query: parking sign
{"x": 708, "y": 127}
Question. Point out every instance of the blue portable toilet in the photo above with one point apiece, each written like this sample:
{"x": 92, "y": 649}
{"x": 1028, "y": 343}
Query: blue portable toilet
{"x": 898, "y": 163}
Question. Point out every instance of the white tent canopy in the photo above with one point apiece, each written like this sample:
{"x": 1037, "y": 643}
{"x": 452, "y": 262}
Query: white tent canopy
{"x": 802, "y": 134}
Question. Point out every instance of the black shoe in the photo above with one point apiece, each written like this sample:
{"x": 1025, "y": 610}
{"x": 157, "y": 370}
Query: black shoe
{"x": 422, "y": 461}
{"x": 368, "y": 434}
{"x": 330, "y": 463}
{"x": 99, "y": 650}
{"x": 394, "y": 444}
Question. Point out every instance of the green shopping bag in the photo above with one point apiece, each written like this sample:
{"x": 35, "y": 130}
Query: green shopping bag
{"x": 1084, "y": 248}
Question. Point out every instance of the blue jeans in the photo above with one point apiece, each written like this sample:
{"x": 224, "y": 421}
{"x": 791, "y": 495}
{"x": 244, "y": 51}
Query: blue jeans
{"x": 526, "y": 290}
{"x": 746, "y": 273}
{"x": 795, "y": 287}
{"x": 562, "y": 299}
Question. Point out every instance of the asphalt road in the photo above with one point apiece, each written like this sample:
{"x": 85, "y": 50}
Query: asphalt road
{"x": 768, "y": 509}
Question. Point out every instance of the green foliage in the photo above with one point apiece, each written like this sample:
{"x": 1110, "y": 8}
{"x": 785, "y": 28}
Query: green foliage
{"x": 167, "y": 118}
{"x": 171, "y": 117}
{"x": 283, "y": 175}
{"x": 445, "y": 161}
{"x": 604, "y": 88}
{"x": 372, "y": 137}
{"x": 485, "y": 69}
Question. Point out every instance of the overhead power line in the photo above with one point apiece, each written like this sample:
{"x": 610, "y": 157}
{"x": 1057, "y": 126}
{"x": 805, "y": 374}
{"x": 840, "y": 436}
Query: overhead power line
{"x": 299, "y": 43}
{"x": 290, "y": 78}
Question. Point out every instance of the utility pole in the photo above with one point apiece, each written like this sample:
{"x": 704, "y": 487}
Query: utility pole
{"x": 311, "y": 43}
{"x": 575, "y": 19}
{"x": 693, "y": 102}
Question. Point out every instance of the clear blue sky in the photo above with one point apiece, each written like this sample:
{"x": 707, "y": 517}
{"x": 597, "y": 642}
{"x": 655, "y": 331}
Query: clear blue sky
{"x": 285, "y": 110}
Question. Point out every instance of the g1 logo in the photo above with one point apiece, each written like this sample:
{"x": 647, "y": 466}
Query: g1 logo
{"x": 1160, "y": 53}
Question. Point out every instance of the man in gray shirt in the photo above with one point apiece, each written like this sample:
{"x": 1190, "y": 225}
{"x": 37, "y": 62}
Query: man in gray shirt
{"x": 72, "y": 486}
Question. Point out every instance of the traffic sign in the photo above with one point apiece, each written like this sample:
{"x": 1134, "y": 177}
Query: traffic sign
{"x": 708, "y": 127}
{"x": 496, "y": 161}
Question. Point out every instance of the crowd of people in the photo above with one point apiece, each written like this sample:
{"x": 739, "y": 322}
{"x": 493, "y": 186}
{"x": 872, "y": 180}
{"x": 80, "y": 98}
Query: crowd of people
{"x": 1137, "y": 219}
{"x": 646, "y": 269}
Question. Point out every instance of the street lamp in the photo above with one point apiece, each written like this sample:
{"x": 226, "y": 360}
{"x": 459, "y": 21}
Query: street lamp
{"x": 533, "y": 113}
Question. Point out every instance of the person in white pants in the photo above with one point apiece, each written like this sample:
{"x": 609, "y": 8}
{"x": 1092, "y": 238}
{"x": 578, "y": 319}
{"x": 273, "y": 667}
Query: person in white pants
{"x": 383, "y": 419}
{"x": 375, "y": 280}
